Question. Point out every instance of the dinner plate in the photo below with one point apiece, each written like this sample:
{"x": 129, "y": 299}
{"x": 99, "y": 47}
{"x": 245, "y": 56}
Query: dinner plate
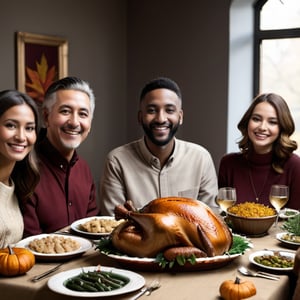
{"x": 84, "y": 246}
{"x": 56, "y": 282}
{"x": 150, "y": 264}
{"x": 75, "y": 227}
{"x": 289, "y": 254}
{"x": 281, "y": 234}
{"x": 288, "y": 213}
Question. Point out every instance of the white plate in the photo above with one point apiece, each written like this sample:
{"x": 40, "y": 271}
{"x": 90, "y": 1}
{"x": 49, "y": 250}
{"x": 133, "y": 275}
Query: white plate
{"x": 271, "y": 252}
{"x": 279, "y": 237}
{"x": 84, "y": 246}
{"x": 56, "y": 282}
{"x": 150, "y": 264}
{"x": 284, "y": 213}
{"x": 75, "y": 226}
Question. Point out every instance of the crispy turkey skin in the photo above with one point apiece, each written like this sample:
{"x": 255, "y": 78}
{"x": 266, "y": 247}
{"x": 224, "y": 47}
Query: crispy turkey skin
{"x": 170, "y": 222}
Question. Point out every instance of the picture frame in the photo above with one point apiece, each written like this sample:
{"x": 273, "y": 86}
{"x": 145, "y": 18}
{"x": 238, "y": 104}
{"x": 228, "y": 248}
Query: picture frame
{"x": 41, "y": 60}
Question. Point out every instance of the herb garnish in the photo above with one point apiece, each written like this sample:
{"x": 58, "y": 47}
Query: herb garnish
{"x": 239, "y": 245}
{"x": 180, "y": 260}
{"x": 292, "y": 225}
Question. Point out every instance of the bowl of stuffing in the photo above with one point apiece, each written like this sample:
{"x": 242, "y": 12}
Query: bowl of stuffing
{"x": 250, "y": 218}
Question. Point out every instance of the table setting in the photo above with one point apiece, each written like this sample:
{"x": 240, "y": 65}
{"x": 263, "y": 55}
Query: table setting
{"x": 154, "y": 277}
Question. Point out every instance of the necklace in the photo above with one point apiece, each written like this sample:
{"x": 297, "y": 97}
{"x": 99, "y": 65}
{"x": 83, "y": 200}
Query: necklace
{"x": 257, "y": 195}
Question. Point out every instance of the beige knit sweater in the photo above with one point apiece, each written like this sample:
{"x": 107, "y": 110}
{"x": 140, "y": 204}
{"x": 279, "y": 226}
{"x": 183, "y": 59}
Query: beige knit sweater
{"x": 11, "y": 220}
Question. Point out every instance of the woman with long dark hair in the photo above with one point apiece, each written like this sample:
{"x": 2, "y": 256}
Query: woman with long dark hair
{"x": 18, "y": 167}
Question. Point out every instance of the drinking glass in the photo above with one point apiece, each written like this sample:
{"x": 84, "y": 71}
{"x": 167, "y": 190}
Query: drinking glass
{"x": 226, "y": 198}
{"x": 279, "y": 195}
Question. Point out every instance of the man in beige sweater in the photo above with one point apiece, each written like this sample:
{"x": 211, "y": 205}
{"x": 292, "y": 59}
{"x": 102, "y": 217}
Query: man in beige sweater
{"x": 158, "y": 164}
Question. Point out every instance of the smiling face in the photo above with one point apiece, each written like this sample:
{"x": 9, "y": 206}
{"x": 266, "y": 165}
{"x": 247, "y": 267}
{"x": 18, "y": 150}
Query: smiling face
{"x": 69, "y": 121}
{"x": 160, "y": 116}
{"x": 263, "y": 127}
{"x": 17, "y": 133}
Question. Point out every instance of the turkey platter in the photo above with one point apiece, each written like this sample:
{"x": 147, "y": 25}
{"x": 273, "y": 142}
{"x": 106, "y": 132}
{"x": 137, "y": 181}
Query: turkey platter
{"x": 172, "y": 226}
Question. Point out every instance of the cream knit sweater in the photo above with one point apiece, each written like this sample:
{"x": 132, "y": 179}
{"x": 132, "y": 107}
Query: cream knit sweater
{"x": 11, "y": 220}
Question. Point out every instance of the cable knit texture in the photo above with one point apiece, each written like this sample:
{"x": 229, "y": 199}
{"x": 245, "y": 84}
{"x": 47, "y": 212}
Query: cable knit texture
{"x": 11, "y": 221}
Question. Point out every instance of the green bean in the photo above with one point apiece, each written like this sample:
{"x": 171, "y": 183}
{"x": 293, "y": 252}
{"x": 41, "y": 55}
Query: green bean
{"x": 87, "y": 277}
{"x": 85, "y": 284}
{"x": 73, "y": 286}
{"x": 100, "y": 286}
{"x": 116, "y": 277}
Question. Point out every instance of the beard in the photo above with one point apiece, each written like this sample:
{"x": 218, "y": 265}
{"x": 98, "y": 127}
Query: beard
{"x": 149, "y": 133}
{"x": 69, "y": 142}
{"x": 71, "y": 145}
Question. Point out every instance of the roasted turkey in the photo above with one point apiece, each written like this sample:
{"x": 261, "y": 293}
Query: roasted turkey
{"x": 173, "y": 225}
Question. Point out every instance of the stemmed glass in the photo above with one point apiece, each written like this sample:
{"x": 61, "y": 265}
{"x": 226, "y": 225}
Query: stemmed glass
{"x": 279, "y": 195}
{"x": 226, "y": 198}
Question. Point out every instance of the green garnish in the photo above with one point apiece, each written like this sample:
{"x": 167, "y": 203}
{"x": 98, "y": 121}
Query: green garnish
{"x": 239, "y": 246}
{"x": 105, "y": 246}
{"x": 290, "y": 213}
{"x": 292, "y": 225}
{"x": 180, "y": 260}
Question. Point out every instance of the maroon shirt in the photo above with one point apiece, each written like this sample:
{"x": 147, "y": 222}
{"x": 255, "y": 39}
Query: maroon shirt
{"x": 66, "y": 192}
{"x": 234, "y": 171}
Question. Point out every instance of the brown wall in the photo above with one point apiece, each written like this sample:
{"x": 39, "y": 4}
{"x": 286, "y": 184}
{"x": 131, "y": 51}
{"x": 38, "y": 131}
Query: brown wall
{"x": 118, "y": 45}
{"x": 187, "y": 41}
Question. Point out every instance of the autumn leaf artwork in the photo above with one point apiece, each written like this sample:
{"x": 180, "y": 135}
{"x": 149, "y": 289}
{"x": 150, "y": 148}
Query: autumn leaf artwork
{"x": 40, "y": 79}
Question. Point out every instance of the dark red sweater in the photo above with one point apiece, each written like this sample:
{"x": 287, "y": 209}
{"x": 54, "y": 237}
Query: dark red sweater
{"x": 236, "y": 171}
{"x": 66, "y": 192}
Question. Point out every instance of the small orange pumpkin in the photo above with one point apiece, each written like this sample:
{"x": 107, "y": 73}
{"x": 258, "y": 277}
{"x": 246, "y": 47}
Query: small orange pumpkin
{"x": 15, "y": 261}
{"x": 237, "y": 290}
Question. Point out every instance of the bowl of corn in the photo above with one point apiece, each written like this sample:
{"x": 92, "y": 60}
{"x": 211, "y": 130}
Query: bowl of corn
{"x": 250, "y": 218}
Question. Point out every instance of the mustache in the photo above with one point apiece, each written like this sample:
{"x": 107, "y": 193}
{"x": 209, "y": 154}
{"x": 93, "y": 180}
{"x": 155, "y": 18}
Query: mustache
{"x": 155, "y": 124}
{"x": 71, "y": 127}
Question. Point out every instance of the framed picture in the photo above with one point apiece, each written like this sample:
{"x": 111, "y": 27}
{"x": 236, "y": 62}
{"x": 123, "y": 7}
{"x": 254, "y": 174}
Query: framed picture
{"x": 41, "y": 59}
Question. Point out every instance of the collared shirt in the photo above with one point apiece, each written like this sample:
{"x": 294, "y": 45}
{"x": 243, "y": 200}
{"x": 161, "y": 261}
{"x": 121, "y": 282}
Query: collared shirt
{"x": 66, "y": 192}
{"x": 132, "y": 173}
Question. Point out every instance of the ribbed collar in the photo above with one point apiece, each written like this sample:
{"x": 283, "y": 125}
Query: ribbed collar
{"x": 260, "y": 159}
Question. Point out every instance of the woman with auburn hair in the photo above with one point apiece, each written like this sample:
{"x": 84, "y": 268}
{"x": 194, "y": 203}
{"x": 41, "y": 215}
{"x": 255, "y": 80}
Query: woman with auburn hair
{"x": 18, "y": 167}
{"x": 266, "y": 153}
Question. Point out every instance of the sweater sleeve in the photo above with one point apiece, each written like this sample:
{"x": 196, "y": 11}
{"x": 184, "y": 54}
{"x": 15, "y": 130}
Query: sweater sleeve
{"x": 111, "y": 190}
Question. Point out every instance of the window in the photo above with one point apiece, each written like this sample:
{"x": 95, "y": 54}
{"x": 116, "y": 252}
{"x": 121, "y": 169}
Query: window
{"x": 277, "y": 52}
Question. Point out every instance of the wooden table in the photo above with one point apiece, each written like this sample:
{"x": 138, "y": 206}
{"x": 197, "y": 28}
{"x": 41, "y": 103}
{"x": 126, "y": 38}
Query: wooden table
{"x": 182, "y": 286}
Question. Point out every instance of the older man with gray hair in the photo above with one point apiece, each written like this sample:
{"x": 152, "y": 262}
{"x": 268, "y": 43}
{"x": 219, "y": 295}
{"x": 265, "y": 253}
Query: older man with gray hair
{"x": 66, "y": 191}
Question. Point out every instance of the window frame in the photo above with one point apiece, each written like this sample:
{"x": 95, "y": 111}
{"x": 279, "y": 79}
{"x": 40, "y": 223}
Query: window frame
{"x": 259, "y": 36}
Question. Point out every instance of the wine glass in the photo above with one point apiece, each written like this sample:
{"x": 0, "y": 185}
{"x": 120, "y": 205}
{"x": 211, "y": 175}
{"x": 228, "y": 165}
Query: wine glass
{"x": 226, "y": 198}
{"x": 279, "y": 195}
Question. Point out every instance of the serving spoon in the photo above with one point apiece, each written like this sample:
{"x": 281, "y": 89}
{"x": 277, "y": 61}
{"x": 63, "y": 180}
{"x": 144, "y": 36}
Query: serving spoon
{"x": 247, "y": 272}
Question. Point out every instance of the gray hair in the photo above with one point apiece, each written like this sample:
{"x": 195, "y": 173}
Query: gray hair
{"x": 68, "y": 83}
